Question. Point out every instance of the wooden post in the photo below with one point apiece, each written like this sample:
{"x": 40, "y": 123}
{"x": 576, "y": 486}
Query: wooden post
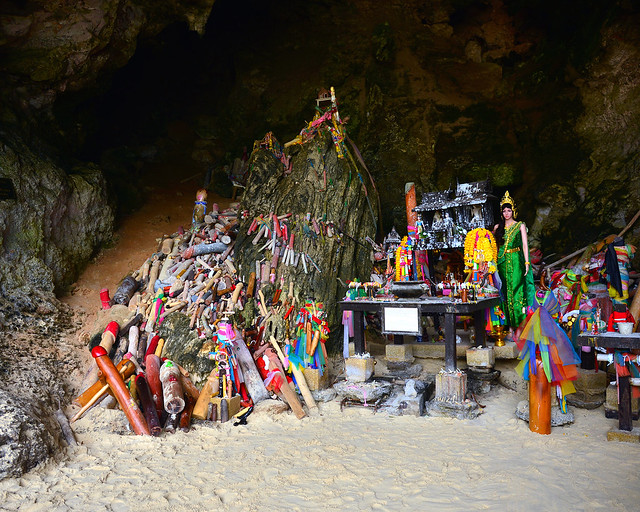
{"x": 539, "y": 400}
{"x": 451, "y": 386}
{"x": 410, "y": 202}
{"x": 211, "y": 387}
{"x": 358, "y": 332}
{"x": 120, "y": 391}
{"x": 634, "y": 309}
{"x": 252, "y": 379}
{"x": 450, "y": 341}
{"x": 126, "y": 369}
{"x": 479, "y": 323}
{"x": 292, "y": 398}
{"x": 300, "y": 379}
{"x": 152, "y": 365}
{"x": 624, "y": 404}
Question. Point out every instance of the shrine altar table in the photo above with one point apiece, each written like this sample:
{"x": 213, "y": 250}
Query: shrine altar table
{"x": 620, "y": 342}
{"x": 450, "y": 308}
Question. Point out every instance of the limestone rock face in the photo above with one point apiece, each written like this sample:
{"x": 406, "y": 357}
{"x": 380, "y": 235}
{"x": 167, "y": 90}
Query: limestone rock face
{"x": 31, "y": 390}
{"x": 53, "y": 46}
{"x": 24, "y": 440}
{"x": 331, "y": 190}
{"x": 185, "y": 348}
{"x": 540, "y": 98}
{"x": 50, "y": 230}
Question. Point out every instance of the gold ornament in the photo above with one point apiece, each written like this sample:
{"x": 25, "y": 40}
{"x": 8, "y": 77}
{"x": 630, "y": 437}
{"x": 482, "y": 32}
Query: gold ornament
{"x": 507, "y": 199}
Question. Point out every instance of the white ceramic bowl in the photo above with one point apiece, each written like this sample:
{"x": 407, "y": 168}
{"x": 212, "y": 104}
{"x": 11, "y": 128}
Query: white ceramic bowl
{"x": 625, "y": 328}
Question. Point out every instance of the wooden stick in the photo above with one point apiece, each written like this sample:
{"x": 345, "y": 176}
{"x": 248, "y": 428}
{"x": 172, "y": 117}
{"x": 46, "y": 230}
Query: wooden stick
{"x": 631, "y": 223}
{"x": 580, "y": 251}
{"x": 634, "y": 309}
{"x": 65, "y": 427}
{"x": 252, "y": 284}
{"x": 211, "y": 387}
{"x": 159, "y": 347}
{"x": 173, "y": 308}
{"x": 236, "y": 293}
{"x": 187, "y": 384}
{"x": 126, "y": 369}
{"x": 252, "y": 379}
{"x": 291, "y": 398}
{"x": 101, "y": 392}
{"x": 300, "y": 379}
{"x": 153, "y": 275}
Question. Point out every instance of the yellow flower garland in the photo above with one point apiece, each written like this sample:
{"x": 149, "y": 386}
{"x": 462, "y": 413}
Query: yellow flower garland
{"x": 400, "y": 260}
{"x": 480, "y": 239}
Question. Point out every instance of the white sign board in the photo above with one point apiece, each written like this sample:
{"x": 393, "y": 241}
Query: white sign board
{"x": 401, "y": 321}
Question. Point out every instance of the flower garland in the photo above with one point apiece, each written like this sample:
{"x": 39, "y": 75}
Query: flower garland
{"x": 403, "y": 260}
{"x": 480, "y": 247}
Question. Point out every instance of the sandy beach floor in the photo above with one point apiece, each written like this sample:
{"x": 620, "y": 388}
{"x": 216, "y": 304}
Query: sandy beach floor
{"x": 350, "y": 460}
{"x": 353, "y": 459}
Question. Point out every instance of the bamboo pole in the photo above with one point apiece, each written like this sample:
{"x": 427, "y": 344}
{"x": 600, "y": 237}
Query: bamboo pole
{"x": 580, "y": 251}
{"x": 631, "y": 223}
{"x": 300, "y": 379}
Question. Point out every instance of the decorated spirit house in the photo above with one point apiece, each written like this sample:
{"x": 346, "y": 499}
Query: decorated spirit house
{"x": 391, "y": 243}
{"x": 447, "y": 216}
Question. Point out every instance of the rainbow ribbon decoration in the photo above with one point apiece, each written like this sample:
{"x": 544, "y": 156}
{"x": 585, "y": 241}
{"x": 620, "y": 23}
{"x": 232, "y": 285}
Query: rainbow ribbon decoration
{"x": 543, "y": 335}
{"x": 309, "y": 322}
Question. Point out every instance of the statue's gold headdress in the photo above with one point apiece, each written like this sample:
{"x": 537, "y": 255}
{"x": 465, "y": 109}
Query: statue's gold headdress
{"x": 507, "y": 199}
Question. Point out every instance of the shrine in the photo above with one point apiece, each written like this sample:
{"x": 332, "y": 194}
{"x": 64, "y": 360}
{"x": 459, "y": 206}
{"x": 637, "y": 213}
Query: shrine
{"x": 445, "y": 217}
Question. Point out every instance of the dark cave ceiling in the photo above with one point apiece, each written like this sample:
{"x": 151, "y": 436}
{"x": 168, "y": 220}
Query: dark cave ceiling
{"x": 435, "y": 92}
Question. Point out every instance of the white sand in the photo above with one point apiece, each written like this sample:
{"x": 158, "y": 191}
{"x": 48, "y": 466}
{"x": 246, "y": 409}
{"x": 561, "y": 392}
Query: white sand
{"x": 350, "y": 460}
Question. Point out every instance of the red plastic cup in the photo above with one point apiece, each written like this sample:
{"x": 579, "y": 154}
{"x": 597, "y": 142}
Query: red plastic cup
{"x": 105, "y": 299}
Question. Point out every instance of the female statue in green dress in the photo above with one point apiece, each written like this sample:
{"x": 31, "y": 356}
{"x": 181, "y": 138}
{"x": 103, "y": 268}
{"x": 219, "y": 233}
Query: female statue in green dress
{"x": 518, "y": 290}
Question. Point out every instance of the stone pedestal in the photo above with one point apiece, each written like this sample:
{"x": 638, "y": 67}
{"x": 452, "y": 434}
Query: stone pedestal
{"x": 508, "y": 351}
{"x": 590, "y": 389}
{"x": 363, "y": 392}
{"x": 315, "y": 381}
{"x": 451, "y": 386}
{"x": 399, "y": 353}
{"x": 466, "y": 410}
{"x": 359, "y": 369}
{"x": 624, "y": 436}
{"x": 479, "y": 380}
{"x": 449, "y": 401}
{"x": 481, "y": 357}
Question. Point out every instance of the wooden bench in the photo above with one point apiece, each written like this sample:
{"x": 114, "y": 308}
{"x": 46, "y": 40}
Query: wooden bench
{"x": 617, "y": 341}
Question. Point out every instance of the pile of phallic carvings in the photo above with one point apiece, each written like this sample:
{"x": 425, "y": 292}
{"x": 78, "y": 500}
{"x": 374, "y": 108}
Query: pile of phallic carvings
{"x": 193, "y": 273}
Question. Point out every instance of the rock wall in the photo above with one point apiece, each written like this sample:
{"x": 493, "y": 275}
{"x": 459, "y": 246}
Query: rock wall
{"x": 33, "y": 362}
{"x": 55, "y": 223}
{"x": 539, "y": 97}
{"x": 332, "y": 190}
{"x": 49, "y": 47}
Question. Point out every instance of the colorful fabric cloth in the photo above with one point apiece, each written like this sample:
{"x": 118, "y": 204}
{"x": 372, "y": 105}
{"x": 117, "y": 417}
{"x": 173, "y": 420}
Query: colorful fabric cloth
{"x": 617, "y": 260}
{"x": 518, "y": 290}
{"x": 543, "y": 337}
